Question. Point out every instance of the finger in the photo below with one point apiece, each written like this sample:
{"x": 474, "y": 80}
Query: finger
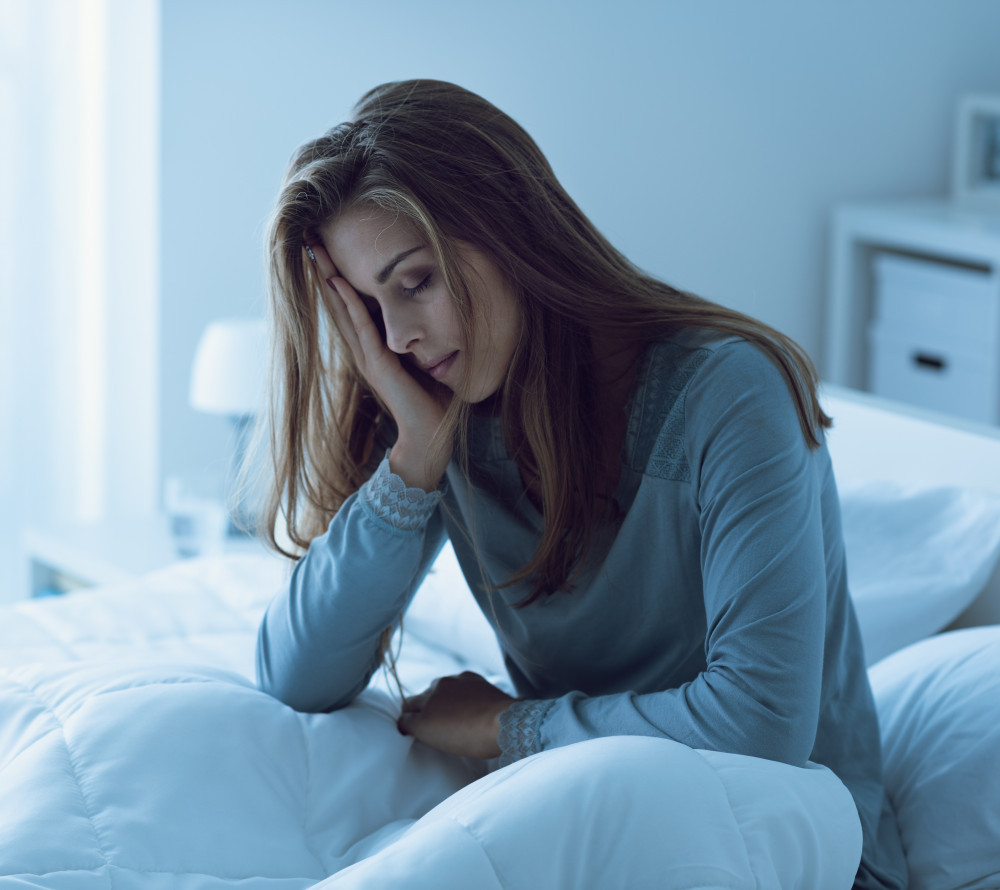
{"x": 321, "y": 259}
{"x": 412, "y": 705}
{"x": 337, "y": 309}
{"x": 368, "y": 333}
{"x": 326, "y": 270}
{"x": 408, "y": 723}
{"x": 346, "y": 320}
{"x": 336, "y": 306}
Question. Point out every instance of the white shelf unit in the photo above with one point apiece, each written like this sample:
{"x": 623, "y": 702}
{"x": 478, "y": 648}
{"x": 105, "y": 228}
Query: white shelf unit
{"x": 931, "y": 230}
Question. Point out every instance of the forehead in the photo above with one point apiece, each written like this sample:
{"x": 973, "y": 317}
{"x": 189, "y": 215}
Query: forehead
{"x": 361, "y": 240}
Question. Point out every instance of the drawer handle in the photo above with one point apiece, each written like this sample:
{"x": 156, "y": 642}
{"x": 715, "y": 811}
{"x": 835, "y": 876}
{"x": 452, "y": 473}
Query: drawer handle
{"x": 930, "y": 362}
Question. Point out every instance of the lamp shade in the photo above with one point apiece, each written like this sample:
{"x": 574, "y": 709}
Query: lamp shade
{"x": 228, "y": 372}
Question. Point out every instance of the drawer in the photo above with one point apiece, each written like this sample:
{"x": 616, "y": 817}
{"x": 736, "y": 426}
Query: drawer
{"x": 924, "y": 297}
{"x": 934, "y": 373}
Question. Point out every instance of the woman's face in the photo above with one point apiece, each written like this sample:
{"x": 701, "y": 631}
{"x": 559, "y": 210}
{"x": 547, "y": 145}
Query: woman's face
{"x": 394, "y": 271}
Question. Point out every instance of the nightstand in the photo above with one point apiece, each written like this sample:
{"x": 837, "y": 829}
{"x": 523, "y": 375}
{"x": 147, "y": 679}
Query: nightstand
{"x": 950, "y": 243}
{"x": 69, "y": 556}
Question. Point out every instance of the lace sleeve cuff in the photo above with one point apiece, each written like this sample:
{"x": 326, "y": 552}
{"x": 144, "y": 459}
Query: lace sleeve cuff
{"x": 387, "y": 496}
{"x": 520, "y": 729}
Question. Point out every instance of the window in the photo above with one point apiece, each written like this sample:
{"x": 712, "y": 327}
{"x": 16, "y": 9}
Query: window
{"x": 78, "y": 275}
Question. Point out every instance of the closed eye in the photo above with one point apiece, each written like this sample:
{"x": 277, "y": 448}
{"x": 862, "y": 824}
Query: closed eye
{"x": 413, "y": 291}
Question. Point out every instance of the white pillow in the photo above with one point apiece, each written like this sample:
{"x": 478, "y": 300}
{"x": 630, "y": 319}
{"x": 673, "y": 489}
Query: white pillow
{"x": 916, "y": 558}
{"x": 939, "y": 711}
{"x": 445, "y": 614}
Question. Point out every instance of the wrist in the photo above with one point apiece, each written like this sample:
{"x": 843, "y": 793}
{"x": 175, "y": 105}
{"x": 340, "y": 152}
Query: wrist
{"x": 494, "y": 726}
{"x": 415, "y": 466}
{"x": 390, "y": 499}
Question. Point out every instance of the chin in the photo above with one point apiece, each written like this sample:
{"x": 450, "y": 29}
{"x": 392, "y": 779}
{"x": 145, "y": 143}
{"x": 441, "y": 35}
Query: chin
{"x": 484, "y": 397}
{"x": 481, "y": 388}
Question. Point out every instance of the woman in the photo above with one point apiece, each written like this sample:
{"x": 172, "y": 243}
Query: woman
{"x": 634, "y": 479}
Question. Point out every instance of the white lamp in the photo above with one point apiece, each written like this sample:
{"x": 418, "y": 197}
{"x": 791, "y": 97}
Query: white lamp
{"x": 228, "y": 372}
{"x": 228, "y": 378}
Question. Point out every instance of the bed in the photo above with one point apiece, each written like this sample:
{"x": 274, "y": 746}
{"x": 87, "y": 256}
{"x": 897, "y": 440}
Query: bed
{"x": 136, "y": 752}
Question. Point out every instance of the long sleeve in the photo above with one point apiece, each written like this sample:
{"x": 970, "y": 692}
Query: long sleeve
{"x": 753, "y": 487}
{"x": 317, "y": 644}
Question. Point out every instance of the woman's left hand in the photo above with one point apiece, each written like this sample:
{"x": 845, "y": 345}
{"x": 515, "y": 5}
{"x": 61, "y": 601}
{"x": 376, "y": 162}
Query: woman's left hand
{"x": 459, "y": 715}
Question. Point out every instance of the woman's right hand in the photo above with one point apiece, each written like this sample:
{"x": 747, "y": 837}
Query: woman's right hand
{"x": 417, "y": 403}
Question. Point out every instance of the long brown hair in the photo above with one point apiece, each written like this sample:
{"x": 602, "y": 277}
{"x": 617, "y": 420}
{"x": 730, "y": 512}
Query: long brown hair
{"x": 460, "y": 170}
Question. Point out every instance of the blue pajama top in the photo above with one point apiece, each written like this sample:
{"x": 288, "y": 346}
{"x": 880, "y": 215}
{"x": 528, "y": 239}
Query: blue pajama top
{"x": 717, "y": 615}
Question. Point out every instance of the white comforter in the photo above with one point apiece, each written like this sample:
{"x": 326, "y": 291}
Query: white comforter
{"x": 136, "y": 752}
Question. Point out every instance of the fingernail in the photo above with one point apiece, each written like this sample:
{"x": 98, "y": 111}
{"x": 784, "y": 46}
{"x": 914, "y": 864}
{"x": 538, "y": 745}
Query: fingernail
{"x": 331, "y": 283}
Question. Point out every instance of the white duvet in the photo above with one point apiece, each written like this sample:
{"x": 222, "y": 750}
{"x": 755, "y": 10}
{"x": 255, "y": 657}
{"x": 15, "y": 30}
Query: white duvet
{"x": 136, "y": 752}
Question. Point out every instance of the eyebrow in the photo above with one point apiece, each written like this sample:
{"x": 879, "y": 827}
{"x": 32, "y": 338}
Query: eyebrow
{"x": 383, "y": 276}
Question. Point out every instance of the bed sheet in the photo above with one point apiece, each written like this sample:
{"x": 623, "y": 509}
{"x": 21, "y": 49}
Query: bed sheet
{"x": 202, "y": 611}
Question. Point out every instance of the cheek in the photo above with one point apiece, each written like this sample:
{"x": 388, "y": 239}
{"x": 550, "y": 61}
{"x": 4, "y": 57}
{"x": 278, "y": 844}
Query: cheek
{"x": 494, "y": 349}
{"x": 505, "y": 331}
{"x": 445, "y": 323}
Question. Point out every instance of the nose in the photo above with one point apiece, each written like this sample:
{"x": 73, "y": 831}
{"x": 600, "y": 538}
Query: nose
{"x": 403, "y": 329}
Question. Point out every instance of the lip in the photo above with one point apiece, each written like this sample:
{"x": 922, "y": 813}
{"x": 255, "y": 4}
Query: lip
{"x": 439, "y": 367}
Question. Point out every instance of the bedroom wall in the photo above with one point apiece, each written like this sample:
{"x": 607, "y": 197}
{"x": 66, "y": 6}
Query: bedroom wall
{"x": 707, "y": 140}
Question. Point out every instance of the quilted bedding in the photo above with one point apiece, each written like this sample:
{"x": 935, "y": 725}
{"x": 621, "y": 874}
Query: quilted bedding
{"x": 139, "y": 775}
{"x": 136, "y": 751}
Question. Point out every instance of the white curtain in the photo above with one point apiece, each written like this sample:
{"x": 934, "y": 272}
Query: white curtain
{"x": 78, "y": 275}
